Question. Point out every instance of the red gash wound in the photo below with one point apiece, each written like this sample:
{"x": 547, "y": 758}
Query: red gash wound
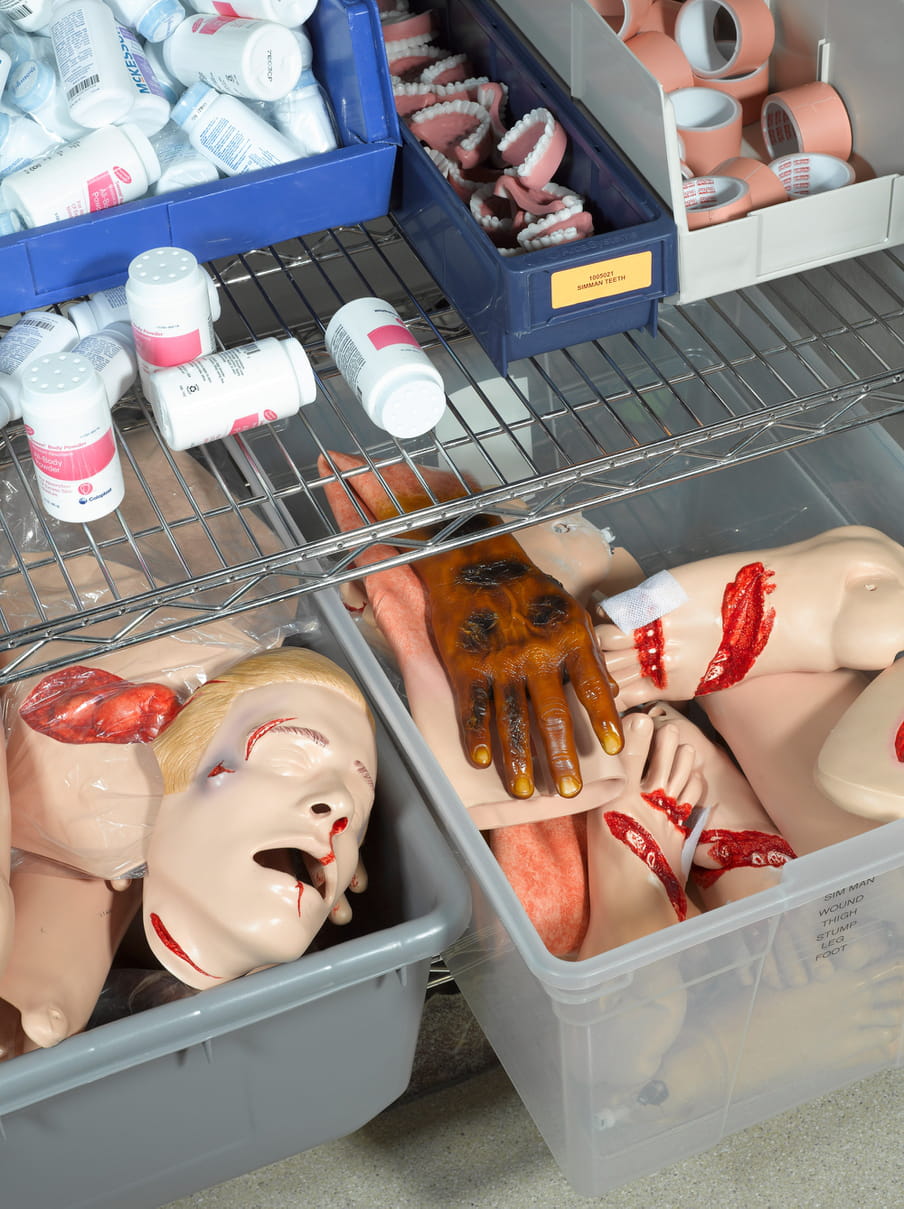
{"x": 740, "y": 850}
{"x": 630, "y": 833}
{"x": 746, "y": 626}
{"x": 676, "y": 812}
{"x": 649, "y": 643}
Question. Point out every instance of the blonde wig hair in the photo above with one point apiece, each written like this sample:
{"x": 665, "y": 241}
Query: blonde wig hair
{"x": 179, "y": 747}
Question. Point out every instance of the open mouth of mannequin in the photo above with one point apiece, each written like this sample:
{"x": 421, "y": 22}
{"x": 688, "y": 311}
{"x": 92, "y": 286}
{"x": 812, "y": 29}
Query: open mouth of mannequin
{"x": 303, "y": 868}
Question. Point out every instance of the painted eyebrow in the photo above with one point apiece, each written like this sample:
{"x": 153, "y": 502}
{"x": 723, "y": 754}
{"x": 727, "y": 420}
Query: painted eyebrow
{"x": 359, "y": 767}
{"x": 278, "y": 724}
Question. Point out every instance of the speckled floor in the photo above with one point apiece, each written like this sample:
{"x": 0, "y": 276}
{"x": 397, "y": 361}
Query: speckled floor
{"x": 468, "y": 1141}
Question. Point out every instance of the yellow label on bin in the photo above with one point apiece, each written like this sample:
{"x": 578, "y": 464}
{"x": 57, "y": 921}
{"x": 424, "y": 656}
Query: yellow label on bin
{"x": 602, "y": 279}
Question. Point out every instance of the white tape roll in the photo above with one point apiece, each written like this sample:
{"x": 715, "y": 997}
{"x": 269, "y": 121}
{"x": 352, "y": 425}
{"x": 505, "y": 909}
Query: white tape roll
{"x": 806, "y": 174}
{"x": 714, "y": 199}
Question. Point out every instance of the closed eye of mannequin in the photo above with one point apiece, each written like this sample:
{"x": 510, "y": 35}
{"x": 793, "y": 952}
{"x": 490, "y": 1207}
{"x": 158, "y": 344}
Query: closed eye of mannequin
{"x": 250, "y": 831}
{"x": 269, "y": 782}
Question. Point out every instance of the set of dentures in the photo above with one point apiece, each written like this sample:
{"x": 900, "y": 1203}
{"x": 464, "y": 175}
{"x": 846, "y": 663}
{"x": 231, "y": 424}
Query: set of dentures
{"x": 504, "y": 174}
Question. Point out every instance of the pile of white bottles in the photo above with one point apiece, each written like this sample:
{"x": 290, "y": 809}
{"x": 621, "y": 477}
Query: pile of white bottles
{"x": 63, "y": 374}
{"x": 199, "y": 394}
{"x": 106, "y": 101}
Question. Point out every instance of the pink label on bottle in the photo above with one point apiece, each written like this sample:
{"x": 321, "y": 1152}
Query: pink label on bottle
{"x": 389, "y": 334}
{"x": 225, "y": 10}
{"x": 74, "y": 464}
{"x": 209, "y": 25}
{"x": 244, "y": 422}
{"x": 103, "y": 192}
{"x": 162, "y": 351}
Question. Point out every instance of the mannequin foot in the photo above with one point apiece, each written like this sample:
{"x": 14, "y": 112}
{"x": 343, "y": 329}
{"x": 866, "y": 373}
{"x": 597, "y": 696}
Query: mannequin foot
{"x": 635, "y": 842}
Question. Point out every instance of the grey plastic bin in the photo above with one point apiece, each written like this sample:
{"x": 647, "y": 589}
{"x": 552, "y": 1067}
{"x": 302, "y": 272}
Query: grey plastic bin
{"x": 139, "y": 1112}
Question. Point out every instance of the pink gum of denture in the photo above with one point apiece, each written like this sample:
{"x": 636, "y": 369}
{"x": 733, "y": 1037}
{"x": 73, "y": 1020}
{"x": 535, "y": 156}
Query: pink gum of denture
{"x": 399, "y": 26}
{"x": 451, "y": 70}
{"x": 459, "y": 129}
{"x": 550, "y": 198}
{"x": 534, "y": 147}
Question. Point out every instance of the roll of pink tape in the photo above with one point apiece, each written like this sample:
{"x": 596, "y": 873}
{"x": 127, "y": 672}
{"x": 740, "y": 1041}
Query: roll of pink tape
{"x": 663, "y": 58}
{"x": 750, "y": 89}
{"x": 811, "y": 117}
{"x": 662, "y": 16}
{"x": 626, "y": 17}
{"x": 725, "y": 37}
{"x": 765, "y": 187}
{"x": 709, "y": 126}
{"x": 807, "y": 173}
{"x": 713, "y": 199}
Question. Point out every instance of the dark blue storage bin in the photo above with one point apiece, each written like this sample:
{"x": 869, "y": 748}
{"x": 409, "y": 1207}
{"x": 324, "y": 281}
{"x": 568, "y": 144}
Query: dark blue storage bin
{"x": 521, "y": 305}
{"x": 351, "y": 184}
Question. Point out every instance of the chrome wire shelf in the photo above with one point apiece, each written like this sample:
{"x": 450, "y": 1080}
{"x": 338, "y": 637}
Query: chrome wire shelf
{"x": 219, "y": 532}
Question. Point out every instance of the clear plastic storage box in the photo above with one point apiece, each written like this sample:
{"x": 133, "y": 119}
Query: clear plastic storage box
{"x": 640, "y": 1057}
{"x": 155, "y": 1106}
{"x": 520, "y": 305}
{"x": 351, "y": 184}
{"x": 849, "y": 47}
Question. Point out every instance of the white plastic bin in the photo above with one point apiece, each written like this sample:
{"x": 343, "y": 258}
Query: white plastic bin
{"x": 582, "y": 1041}
{"x": 853, "y": 47}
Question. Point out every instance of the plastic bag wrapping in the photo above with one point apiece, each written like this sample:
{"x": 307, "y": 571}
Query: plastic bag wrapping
{"x": 83, "y": 781}
{"x": 83, "y": 778}
{"x": 178, "y": 522}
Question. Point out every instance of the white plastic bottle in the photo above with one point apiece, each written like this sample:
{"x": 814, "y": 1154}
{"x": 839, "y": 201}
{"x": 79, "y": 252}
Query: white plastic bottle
{"x": 153, "y": 20}
{"x": 171, "y": 87}
{"x": 103, "y": 168}
{"x": 29, "y": 15}
{"x": 393, "y": 378}
{"x": 6, "y": 66}
{"x": 20, "y": 46}
{"x": 70, "y": 434}
{"x": 259, "y": 60}
{"x": 181, "y": 165}
{"x": 96, "y": 82}
{"x": 99, "y": 310}
{"x": 112, "y": 353}
{"x": 34, "y": 334}
{"x": 233, "y": 390}
{"x": 22, "y": 142}
{"x": 106, "y": 307}
{"x": 230, "y": 134}
{"x": 169, "y": 309}
{"x": 286, "y": 12}
{"x": 34, "y": 88}
{"x": 304, "y": 116}
{"x": 150, "y": 108}
{"x": 10, "y": 222}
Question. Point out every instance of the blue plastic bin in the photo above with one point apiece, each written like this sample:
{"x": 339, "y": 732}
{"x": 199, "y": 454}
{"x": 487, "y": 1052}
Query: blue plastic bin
{"x": 522, "y": 305}
{"x": 351, "y": 184}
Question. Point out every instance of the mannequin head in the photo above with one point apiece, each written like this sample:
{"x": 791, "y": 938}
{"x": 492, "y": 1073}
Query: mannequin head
{"x": 269, "y": 781}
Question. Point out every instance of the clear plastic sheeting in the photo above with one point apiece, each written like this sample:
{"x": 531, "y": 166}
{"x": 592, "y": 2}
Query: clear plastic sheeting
{"x": 219, "y": 530}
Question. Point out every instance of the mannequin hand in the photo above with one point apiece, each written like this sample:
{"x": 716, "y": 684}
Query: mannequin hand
{"x": 509, "y": 635}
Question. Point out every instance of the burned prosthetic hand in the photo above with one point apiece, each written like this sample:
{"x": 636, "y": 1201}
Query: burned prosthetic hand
{"x": 509, "y": 636}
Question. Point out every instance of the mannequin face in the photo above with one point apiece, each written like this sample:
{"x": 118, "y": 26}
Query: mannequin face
{"x": 246, "y": 864}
